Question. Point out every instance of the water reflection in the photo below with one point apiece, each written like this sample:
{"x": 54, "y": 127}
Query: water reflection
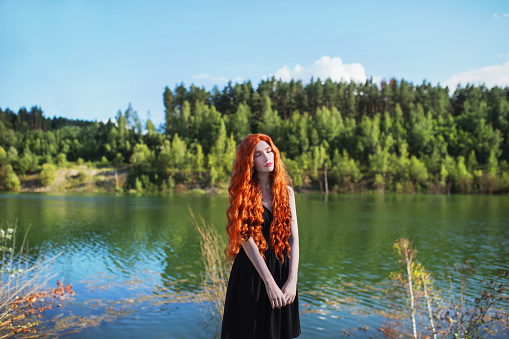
{"x": 142, "y": 252}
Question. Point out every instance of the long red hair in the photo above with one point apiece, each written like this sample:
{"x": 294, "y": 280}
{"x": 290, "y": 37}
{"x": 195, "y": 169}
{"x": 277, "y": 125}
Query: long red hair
{"x": 245, "y": 211}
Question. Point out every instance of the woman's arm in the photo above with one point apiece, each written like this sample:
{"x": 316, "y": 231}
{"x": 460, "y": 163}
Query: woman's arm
{"x": 290, "y": 287}
{"x": 276, "y": 297}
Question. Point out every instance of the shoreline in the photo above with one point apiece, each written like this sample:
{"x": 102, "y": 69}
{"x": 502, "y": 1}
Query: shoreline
{"x": 85, "y": 179}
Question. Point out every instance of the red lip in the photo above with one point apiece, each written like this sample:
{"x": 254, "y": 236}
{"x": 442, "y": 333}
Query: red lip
{"x": 268, "y": 164}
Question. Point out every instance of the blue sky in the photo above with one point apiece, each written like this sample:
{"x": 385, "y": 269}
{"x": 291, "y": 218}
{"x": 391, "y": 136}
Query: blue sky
{"x": 88, "y": 59}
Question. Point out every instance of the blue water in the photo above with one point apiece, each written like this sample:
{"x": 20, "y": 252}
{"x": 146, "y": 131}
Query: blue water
{"x": 134, "y": 260}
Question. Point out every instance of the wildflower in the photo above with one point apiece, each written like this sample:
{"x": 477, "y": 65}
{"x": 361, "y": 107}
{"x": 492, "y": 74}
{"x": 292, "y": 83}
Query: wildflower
{"x": 10, "y": 230}
{"x": 2, "y": 233}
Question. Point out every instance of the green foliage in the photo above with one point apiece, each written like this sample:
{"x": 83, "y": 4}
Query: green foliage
{"x": 61, "y": 159}
{"x": 48, "y": 174}
{"x": 12, "y": 156}
{"x": 81, "y": 176}
{"x": 28, "y": 162}
{"x": 104, "y": 162}
{"x": 8, "y": 179}
{"x": 3, "y": 155}
{"x": 295, "y": 171}
{"x": 398, "y": 136}
{"x": 118, "y": 160}
{"x": 138, "y": 185}
{"x": 345, "y": 172}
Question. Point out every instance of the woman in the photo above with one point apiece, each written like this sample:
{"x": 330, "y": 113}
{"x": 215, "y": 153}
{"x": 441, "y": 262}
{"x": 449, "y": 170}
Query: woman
{"x": 261, "y": 300}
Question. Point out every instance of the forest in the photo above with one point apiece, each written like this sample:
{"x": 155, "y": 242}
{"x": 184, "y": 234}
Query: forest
{"x": 339, "y": 137}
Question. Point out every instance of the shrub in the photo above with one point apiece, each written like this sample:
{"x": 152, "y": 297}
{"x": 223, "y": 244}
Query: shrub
{"x": 12, "y": 181}
{"x": 61, "y": 159}
{"x": 81, "y": 176}
{"x": 48, "y": 174}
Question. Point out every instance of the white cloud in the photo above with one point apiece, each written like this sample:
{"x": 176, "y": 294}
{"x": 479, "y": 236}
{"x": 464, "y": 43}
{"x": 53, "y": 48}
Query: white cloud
{"x": 505, "y": 15}
{"x": 323, "y": 68}
{"x": 496, "y": 75}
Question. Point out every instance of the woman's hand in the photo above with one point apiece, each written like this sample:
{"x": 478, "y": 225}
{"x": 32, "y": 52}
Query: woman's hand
{"x": 289, "y": 290}
{"x": 276, "y": 296}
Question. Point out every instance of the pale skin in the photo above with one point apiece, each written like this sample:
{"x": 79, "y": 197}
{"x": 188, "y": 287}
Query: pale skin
{"x": 264, "y": 164}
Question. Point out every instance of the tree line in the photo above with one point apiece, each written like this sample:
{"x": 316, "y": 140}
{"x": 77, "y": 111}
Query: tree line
{"x": 337, "y": 136}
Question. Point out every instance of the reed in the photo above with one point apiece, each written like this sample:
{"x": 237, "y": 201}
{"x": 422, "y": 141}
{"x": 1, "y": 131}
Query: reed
{"x": 455, "y": 313}
{"x": 22, "y": 285}
{"x": 216, "y": 267}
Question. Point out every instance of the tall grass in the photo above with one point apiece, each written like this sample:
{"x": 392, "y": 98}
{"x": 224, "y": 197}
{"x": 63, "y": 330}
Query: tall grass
{"x": 216, "y": 267}
{"x": 22, "y": 285}
{"x": 466, "y": 310}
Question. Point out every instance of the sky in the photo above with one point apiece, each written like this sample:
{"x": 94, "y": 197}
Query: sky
{"x": 89, "y": 59}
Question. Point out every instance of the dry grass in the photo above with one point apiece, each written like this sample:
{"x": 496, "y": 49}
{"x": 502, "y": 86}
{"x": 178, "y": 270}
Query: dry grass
{"x": 216, "y": 267}
{"x": 22, "y": 285}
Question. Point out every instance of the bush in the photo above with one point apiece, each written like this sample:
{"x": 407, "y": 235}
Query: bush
{"x": 48, "y": 174}
{"x": 3, "y": 155}
{"x": 81, "y": 176}
{"x": 104, "y": 162}
{"x": 119, "y": 160}
{"x": 12, "y": 182}
{"x": 62, "y": 159}
{"x": 8, "y": 179}
{"x": 138, "y": 185}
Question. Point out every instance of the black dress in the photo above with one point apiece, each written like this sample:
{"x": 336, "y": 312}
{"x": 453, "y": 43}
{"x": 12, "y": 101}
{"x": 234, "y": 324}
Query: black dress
{"x": 247, "y": 310}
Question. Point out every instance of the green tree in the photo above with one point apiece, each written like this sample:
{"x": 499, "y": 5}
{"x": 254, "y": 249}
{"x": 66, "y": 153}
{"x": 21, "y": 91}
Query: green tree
{"x": 199, "y": 160}
{"x": 418, "y": 172}
{"x": 271, "y": 122}
{"x": 28, "y": 162}
{"x": 142, "y": 158}
{"x": 379, "y": 164}
{"x": 151, "y": 129}
{"x": 3, "y": 156}
{"x": 240, "y": 122}
{"x": 178, "y": 153}
{"x": 48, "y": 174}
{"x": 12, "y": 156}
{"x": 345, "y": 171}
{"x": 463, "y": 177}
{"x": 61, "y": 160}
{"x": 12, "y": 182}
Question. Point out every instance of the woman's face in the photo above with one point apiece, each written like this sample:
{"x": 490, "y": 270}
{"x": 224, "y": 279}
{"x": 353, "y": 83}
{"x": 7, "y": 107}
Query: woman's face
{"x": 263, "y": 158}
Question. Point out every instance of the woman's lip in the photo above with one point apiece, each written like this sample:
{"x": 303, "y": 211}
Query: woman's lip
{"x": 268, "y": 164}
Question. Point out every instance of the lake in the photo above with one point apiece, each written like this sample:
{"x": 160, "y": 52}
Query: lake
{"x": 134, "y": 260}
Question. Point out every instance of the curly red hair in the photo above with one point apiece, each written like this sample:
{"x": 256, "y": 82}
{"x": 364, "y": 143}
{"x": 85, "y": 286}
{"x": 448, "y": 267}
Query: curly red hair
{"x": 245, "y": 211}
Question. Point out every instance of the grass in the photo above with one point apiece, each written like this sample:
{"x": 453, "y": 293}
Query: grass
{"x": 216, "y": 267}
{"x": 23, "y": 284}
{"x": 467, "y": 310}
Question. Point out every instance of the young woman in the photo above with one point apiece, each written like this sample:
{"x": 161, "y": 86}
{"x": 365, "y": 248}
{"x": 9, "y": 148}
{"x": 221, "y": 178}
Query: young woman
{"x": 261, "y": 300}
